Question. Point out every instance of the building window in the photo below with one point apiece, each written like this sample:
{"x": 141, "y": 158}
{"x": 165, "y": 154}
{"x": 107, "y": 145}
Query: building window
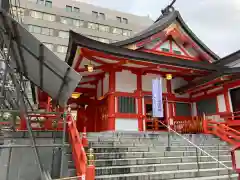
{"x": 125, "y": 20}
{"x": 126, "y": 33}
{"x": 61, "y": 49}
{"x": 95, "y": 14}
{"x": 40, "y": 1}
{"x": 92, "y": 26}
{"x": 47, "y": 31}
{"x": 63, "y": 34}
{"x": 48, "y": 4}
{"x": 36, "y": 14}
{"x": 76, "y": 9}
{"x": 40, "y": 30}
{"x": 49, "y": 46}
{"x": 165, "y": 49}
{"x": 177, "y": 52}
{"x": 126, "y": 105}
{"x": 117, "y": 31}
{"x": 78, "y": 23}
{"x": 207, "y": 106}
{"x": 183, "y": 109}
{"x": 34, "y": 29}
{"x": 68, "y": 8}
{"x": 102, "y": 16}
{"x": 119, "y": 19}
{"x": 104, "y": 28}
{"x": 107, "y": 41}
{"x": 18, "y": 13}
{"x": 66, "y": 20}
{"x": 49, "y": 17}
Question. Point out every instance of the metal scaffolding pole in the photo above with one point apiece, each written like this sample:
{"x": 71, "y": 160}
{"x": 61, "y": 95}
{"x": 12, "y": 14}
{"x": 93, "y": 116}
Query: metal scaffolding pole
{"x": 23, "y": 108}
{"x": 63, "y": 146}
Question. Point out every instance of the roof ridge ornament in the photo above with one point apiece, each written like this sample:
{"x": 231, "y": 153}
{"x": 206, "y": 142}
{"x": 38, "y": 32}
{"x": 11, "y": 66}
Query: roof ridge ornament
{"x": 169, "y": 8}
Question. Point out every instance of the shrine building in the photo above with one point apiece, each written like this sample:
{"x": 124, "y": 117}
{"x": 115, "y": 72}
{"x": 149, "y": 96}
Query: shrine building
{"x": 115, "y": 93}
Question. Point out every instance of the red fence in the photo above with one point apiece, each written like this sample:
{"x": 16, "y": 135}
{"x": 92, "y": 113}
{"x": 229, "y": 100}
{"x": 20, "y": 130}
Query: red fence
{"x": 78, "y": 152}
{"x": 187, "y": 125}
{"x": 222, "y": 130}
{"x": 184, "y": 125}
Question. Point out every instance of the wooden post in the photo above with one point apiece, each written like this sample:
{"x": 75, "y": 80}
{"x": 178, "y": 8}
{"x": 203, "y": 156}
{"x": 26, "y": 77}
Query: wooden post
{"x": 139, "y": 102}
{"x": 111, "y": 101}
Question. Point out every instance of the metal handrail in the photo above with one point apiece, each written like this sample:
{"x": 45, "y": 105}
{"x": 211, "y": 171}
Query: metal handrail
{"x": 196, "y": 146}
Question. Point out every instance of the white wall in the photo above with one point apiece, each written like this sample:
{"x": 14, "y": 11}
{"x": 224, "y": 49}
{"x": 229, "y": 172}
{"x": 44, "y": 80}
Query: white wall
{"x": 177, "y": 83}
{"x": 126, "y": 124}
{"x": 221, "y": 103}
{"x": 147, "y": 82}
{"x": 126, "y": 81}
{"x": 105, "y": 83}
{"x": 99, "y": 89}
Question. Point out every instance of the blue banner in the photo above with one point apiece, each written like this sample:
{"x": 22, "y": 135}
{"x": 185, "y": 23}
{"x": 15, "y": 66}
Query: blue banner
{"x": 157, "y": 103}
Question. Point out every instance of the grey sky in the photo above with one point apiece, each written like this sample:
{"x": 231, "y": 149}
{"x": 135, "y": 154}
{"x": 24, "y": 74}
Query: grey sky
{"x": 215, "y": 22}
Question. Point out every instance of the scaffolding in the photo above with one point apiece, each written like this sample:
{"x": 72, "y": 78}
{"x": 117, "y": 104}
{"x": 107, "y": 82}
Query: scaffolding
{"x": 26, "y": 66}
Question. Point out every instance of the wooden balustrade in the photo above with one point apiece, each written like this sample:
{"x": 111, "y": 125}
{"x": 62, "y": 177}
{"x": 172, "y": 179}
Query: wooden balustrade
{"x": 83, "y": 170}
{"x": 222, "y": 130}
{"x": 182, "y": 125}
{"x": 188, "y": 125}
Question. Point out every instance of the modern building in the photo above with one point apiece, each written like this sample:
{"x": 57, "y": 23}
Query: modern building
{"x": 50, "y": 21}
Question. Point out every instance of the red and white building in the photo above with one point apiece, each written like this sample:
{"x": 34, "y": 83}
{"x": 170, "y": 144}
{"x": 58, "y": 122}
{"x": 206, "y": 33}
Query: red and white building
{"x": 115, "y": 92}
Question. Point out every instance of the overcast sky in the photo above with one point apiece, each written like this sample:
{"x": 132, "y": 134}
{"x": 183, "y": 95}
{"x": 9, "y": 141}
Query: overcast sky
{"x": 215, "y": 22}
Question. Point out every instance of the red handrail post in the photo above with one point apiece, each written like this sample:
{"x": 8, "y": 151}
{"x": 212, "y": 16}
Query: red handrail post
{"x": 23, "y": 123}
{"x": 205, "y": 126}
{"x": 48, "y": 124}
{"x": 90, "y": 175}
{"x": 84, "y": 137}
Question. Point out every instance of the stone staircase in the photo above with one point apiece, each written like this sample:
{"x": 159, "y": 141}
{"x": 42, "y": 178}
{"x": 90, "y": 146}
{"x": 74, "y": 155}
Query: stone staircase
{"x": 142, "y": 156}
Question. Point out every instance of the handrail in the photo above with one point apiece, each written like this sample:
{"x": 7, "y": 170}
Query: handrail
{"x": 196, "y": 146}
{"x": 84, "y": 170}
{"x": 223, "y": 131}
{"x": 78, "y": 152}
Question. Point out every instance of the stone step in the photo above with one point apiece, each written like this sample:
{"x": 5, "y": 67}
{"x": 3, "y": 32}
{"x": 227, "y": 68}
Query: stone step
{"x": 119, "y": 155}
{"x": 158, "y": 160}
{"x": 176, "y": 138}
{"x": 71, "y": 172}
{"x": 222, "y": 177}
{"x": 119, "y": 144}
{"x": 145, "y": 135}
{"x": 156, "y": 148}
{"x": 158, "y": 167}
{"x": 148, "y": 139}
{"x": 164, "y": 175}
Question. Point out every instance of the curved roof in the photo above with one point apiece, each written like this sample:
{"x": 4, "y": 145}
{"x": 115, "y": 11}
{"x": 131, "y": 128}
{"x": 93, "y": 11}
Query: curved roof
{"x": 162, "y": 23}
{"x": 77, "y": 40}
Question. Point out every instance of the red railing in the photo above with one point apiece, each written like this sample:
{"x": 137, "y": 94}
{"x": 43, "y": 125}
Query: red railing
{"x": 187, "y": 125}
{"x": 42, "y": 122}
{"x": 83, "y": 170}
{"x": 222, "y": 130}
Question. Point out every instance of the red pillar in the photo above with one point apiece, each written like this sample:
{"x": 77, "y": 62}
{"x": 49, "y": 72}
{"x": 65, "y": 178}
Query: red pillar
{"x": 139, "y": 102}
{"x": 81, "y": 115}
{"x": 169, "y": 94}
{"x": 226, "y": 98}
{"x": 111, "y": 101}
